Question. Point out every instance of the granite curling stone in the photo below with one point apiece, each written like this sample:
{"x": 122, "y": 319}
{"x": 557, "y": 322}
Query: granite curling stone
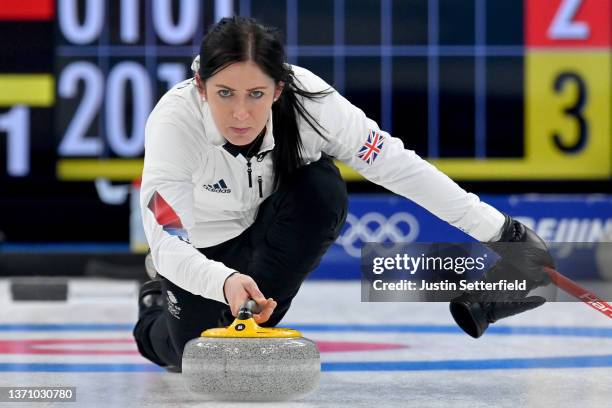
{"x": 246, "y": 362}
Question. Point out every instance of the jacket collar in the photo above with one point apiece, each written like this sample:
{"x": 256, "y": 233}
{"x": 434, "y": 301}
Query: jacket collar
{"x": 216, "y": 138}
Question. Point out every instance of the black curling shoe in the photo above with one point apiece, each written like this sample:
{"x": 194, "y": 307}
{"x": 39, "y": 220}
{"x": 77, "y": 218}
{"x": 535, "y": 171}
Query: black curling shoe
{"x": 150, "y": 297}
{"x": 474, "y": 316}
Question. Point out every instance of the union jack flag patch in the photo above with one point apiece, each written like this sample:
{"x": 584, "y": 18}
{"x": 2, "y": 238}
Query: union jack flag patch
{"x": 372, "y": 147}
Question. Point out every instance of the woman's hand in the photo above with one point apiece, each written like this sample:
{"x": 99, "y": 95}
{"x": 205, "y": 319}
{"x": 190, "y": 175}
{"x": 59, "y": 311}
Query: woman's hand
{"x": 239, "y": 288}
{"x": 523, "y": 256}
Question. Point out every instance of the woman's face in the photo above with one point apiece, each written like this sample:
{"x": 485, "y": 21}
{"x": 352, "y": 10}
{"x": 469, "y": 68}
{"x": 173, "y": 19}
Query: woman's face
{"x": 240, "y": 97}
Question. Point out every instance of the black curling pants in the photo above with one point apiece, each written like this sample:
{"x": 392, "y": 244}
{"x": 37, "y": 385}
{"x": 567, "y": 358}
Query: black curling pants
{"x": 294, "y": 228}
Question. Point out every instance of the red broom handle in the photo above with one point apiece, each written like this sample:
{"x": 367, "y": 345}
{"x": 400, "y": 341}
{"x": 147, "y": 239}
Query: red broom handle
{"x": 572, "y": 288}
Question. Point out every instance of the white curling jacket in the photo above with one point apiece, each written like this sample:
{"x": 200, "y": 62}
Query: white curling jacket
{"x": 196, "y": 194}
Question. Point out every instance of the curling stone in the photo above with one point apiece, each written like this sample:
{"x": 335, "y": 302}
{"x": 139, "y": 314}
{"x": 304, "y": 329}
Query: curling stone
{"x": 246, "y": 362}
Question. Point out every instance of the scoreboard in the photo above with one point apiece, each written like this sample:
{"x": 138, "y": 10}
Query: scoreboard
{"x": 568, "y": 73}
{"x": 486, "y": 90}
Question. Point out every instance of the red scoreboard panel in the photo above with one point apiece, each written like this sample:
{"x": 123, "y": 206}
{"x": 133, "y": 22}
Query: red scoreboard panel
{"x": 568, "y": 23}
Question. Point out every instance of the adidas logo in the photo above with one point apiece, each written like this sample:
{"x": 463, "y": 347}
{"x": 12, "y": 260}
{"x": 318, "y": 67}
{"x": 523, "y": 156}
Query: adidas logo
{"x": 218, "y": 187}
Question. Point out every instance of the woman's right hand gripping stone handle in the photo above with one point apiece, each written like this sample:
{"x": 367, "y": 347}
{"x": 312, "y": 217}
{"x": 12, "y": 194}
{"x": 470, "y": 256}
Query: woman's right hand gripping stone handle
{"x": 239, "y": 288}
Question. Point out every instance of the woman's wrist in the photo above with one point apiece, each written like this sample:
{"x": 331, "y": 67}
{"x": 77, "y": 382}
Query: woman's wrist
{"x": 225, "y": 282}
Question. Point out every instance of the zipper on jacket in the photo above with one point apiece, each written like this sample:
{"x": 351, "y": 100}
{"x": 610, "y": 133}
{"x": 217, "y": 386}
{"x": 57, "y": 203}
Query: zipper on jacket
{"x": 262, "y": 155}
{"x": 249, "y": 170}
{"x": 260, "y": 182}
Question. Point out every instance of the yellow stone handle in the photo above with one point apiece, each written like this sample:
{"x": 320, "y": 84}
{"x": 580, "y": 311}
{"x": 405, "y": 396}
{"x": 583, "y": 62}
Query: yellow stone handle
{"x": 248, "y": 328}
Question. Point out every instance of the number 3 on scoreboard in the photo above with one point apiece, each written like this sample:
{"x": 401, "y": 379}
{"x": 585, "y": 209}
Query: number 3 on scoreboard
{"x": 567, "y": 109}
{"x": 574, "y": 110}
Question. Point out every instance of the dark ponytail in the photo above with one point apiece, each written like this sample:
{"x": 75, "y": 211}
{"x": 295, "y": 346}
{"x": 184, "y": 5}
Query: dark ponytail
{"x": 235, "y": 39}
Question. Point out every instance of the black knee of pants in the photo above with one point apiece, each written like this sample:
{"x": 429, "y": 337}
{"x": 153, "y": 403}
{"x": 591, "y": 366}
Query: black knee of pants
{"x": 142, "y": 336}
{"x": 161, "y": 333}
{"x": 294, "y": 228}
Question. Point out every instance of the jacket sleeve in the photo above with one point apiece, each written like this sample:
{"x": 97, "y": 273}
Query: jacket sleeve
{"x": 359, "y": 143}
{"x": 167, "y": 202}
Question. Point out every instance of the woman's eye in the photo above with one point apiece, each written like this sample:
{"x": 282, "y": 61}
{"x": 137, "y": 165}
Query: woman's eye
{"x": 257, "y": 94}
{"x": 224, "y": 93}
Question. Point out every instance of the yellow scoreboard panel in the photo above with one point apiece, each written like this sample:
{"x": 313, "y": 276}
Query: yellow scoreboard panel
{"x": 567, "y": 121}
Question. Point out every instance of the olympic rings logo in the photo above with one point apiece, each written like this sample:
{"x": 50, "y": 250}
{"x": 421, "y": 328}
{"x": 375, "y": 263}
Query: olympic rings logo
{"x": 375, "y": 227}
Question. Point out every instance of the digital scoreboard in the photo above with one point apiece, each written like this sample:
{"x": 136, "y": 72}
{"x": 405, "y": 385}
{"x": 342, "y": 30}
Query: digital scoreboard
{"x": 485, "y": 90}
